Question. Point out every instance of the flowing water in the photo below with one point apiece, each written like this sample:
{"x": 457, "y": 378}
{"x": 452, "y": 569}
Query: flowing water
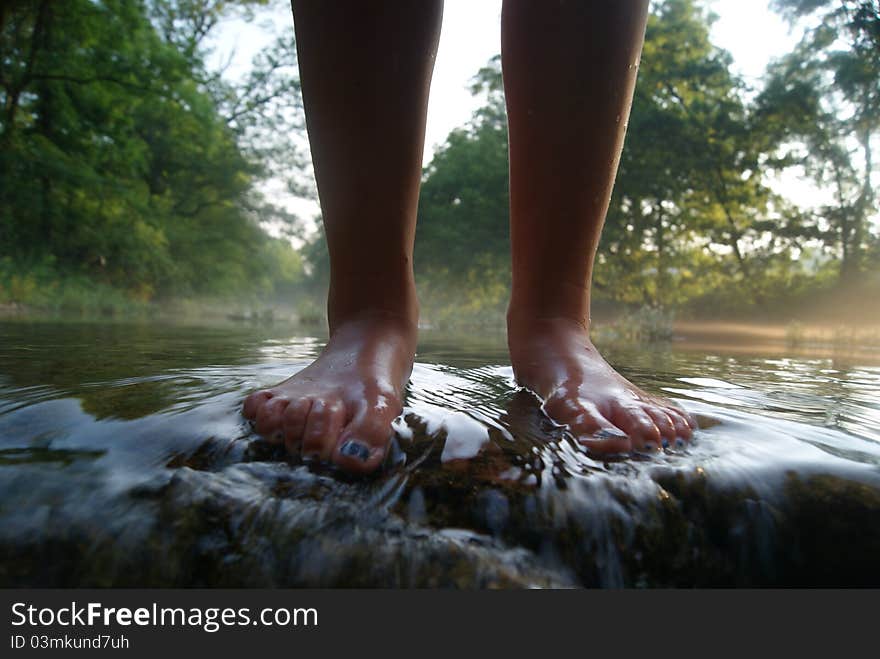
{"x": 124, "y": 461}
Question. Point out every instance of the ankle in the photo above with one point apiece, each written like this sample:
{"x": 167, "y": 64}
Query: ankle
{"x": 565, "y": 302}
{"x": 392, "y": 321}
{"x": 525, "y": 319}
{"x": 373, "y": 298}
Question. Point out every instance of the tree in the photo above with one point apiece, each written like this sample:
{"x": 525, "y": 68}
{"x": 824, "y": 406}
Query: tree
{"x": 690, "y": 212}
{"x": 462, "y": 236}
{"x": 823, "y": 101}
{"x": 690, "y": 207}
{"x": 125, "y": 161}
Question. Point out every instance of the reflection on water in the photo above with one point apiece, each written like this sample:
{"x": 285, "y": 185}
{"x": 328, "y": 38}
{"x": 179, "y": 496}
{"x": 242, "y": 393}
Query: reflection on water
{"x": 124, "y": 461}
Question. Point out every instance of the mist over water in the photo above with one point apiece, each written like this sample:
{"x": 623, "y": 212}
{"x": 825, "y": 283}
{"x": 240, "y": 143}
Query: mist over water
{"x": 124, "y": 460}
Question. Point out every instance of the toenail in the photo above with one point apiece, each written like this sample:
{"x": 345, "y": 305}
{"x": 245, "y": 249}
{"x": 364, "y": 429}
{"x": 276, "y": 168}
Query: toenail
{"x": 679, "y": 442}
{"x": 665, "y": 443}
{"x": 606, "y": 433}
{"x": 355, "y": 449}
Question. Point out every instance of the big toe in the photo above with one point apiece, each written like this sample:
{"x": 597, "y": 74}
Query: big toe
{"x": 589, "y": 425}
{"x": 362, "y": 444}
{"x": 683, "y": 424}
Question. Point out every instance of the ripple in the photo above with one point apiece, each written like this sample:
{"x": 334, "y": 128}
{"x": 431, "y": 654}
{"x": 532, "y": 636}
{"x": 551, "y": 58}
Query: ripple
{"x": 149, "y": 447}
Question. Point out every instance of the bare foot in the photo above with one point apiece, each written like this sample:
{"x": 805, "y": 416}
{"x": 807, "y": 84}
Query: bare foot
{"x": 340, "y": 407}
{"x": 605, "y": 412}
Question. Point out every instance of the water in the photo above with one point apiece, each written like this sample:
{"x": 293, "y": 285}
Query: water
{"x": 124, "y": 461}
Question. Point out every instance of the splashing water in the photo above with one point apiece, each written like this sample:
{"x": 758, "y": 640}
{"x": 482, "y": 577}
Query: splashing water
{"x": 124, "y": 461}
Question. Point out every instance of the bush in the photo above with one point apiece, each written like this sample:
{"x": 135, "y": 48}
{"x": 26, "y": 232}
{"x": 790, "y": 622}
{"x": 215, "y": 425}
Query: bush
{"x": 647, "y": 324}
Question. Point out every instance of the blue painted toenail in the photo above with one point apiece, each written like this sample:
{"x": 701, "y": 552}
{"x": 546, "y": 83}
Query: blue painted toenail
{"x": 665, "y": 443}
{"x": 354, "y": 449}
{"x": 679, "y": 442}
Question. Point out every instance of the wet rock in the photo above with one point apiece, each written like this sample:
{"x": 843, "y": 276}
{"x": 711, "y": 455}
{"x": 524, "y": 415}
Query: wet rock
{"x": 484, "y": 523}
{"x": 176, "y": 490}
{"x": 259, "y": 524}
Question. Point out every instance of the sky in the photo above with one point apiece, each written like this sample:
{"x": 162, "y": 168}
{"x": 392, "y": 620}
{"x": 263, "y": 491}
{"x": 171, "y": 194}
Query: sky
{"x": 471, "y": 36}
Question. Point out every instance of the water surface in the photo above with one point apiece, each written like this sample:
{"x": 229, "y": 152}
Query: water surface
{"x": 124, "y": 460}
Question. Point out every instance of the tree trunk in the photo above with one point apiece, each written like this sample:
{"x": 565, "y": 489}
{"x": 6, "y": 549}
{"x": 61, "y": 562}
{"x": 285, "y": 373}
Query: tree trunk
{"x": 16, "y": 87}
{"x": 660, "y": 240}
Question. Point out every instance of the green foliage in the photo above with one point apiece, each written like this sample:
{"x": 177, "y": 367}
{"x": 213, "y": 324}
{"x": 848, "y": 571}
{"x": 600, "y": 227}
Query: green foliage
{"x": 462, "y": 235}
{"x": 40, "y": 285}
{"x": 125, "y": 164}
{"x": 690, "y": 209}
{"x": 693, "y": 223}
{"x": 130, "y": 172}
{"x": 822, "y": 104}
{"x": 645, "y": 325}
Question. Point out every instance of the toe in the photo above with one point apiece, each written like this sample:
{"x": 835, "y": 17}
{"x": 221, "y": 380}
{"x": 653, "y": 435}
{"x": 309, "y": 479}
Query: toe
{"x": 322, "y": 429}
{"x": 683, "y": 428}
{"x": 294, "y": 423}
{"x": 361, "y": 446}
{"x": 269, "y": 415}
{"x": 635, "y": 422}
{"x": 594, "y": 431}
{"x": 254, "y": 402}
{"x": 608, "y": 439}
{"x": 663, "y": 422}
{"x": 587, "y": 420}
{"x": 689, "y": 418}
{"x": 568, "y": 409}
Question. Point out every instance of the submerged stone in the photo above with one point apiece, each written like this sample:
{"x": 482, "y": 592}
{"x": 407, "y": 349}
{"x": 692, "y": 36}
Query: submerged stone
{"x": 480, "y": 491}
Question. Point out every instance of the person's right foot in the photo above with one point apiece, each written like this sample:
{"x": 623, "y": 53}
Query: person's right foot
{"x": 340, "y": 407}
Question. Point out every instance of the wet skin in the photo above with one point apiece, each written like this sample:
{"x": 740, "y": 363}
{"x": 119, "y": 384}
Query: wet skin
{"x": 339, "y": 409}
{"x": 365, "y": 77}
{"x": 605, "y": 412}
{"x": 569, "y": 76}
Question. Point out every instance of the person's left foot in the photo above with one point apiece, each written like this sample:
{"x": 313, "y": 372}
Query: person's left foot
{"x": 605, "y": 412}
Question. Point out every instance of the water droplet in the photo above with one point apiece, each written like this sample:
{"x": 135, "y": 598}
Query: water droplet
{"x": 617, "y": 119}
